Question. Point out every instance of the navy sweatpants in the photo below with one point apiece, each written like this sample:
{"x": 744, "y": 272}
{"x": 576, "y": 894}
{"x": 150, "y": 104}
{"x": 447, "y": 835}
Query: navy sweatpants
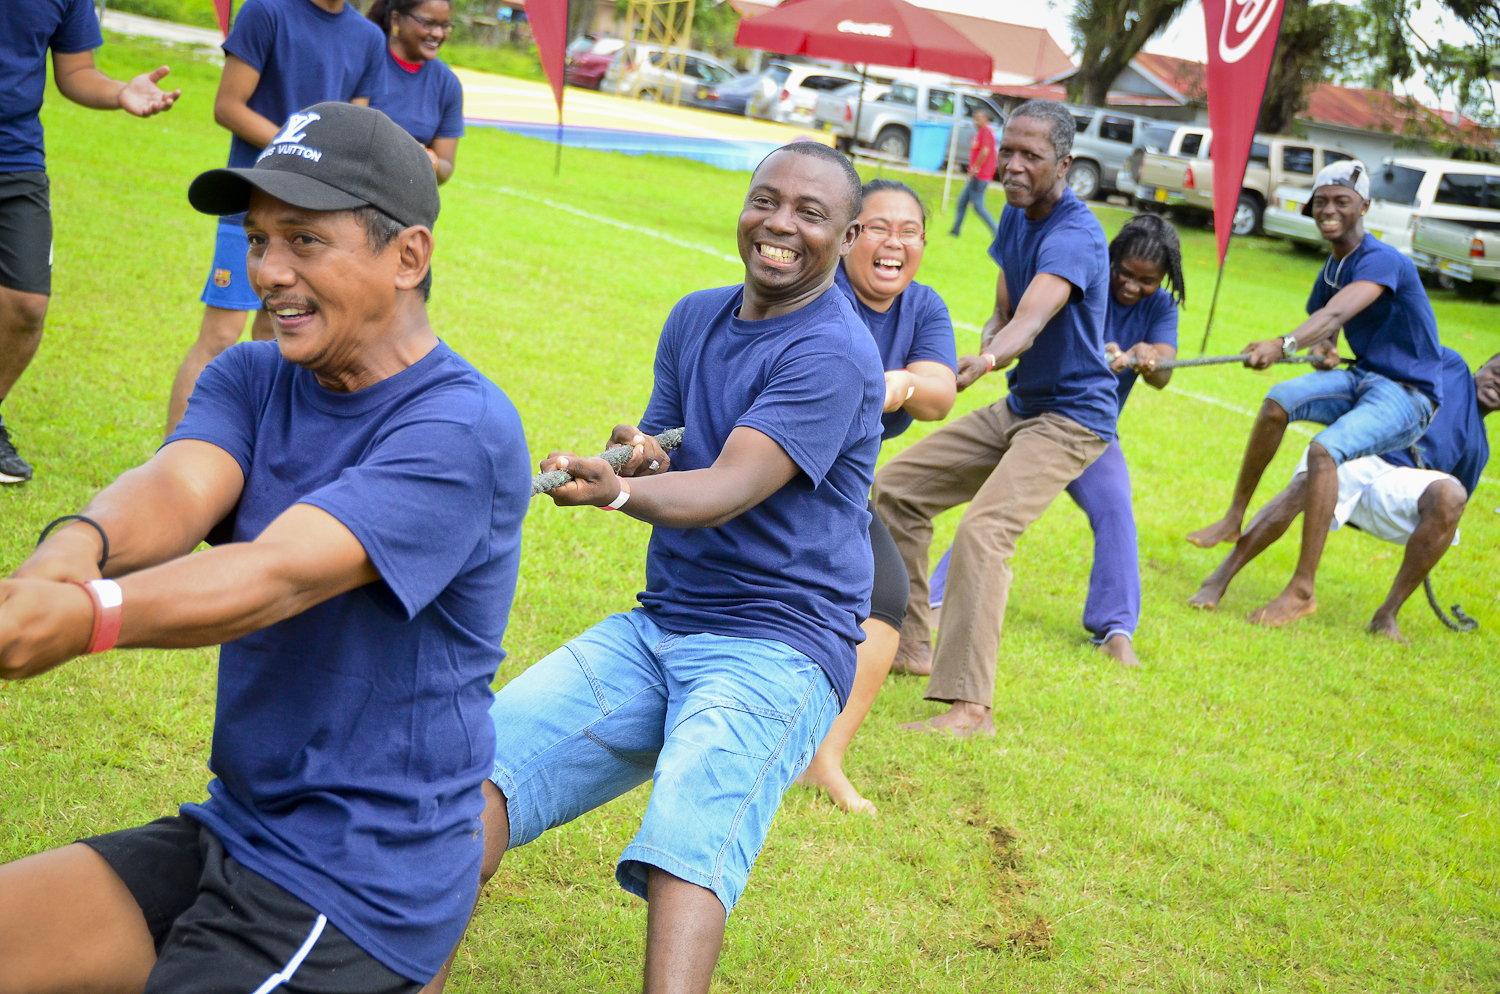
{"x": 1114, "y": 601}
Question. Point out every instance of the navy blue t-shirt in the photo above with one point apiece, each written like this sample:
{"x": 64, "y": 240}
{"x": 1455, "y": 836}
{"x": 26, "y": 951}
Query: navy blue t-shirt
{"x": 916, "y": 328}
{"x": 350, "y": 741}
{"x": 1455, "y": 442}
{"x": 1152, "y": 319}
{"x": 1064, "y": 370}
{"x": 28, "y": 29}
{"x": 796, "y": 568}
{"x": 1397, "y": 335}
{"x": 428, "y": 103}
{"x": 305, "y": 56}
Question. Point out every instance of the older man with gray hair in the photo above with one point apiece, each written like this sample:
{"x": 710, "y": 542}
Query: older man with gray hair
{"x": 1011, "y": 459}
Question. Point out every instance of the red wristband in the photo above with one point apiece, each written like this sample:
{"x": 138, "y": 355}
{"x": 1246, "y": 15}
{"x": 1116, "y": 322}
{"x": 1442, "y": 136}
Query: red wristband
{"x": 989, "y": 360}
{"x": 620, "y": 498}
{"x": 108, "y": 613}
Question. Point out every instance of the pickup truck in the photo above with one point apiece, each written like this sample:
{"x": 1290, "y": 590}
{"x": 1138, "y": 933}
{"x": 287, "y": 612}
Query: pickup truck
{"x": 1182, "y": 177}
{"x": 885, "y": 122}
{"x": 1470, "y": 257}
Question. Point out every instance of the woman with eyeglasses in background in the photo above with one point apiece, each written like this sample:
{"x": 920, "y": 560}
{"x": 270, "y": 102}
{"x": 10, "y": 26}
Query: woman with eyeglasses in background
{"x": 911, "y": 327}
{"x": 421, "y": 94}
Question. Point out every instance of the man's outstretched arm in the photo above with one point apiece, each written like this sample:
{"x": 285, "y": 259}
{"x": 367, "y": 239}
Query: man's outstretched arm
{"x": 80, "y": 81}
{"x": 1321, "y": 326}
{"x": 155, "y": 512}
{"x": 1045, "y": 296}
{"x": 303, "y": 558}
{"x": 751, "y": 467}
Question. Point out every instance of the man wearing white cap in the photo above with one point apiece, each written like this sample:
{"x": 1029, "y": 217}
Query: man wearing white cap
{"x": 1383, "y": 403}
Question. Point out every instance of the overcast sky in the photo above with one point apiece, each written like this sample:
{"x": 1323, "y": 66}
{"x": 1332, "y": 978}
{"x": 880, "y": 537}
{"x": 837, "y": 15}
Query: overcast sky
{"x": 1184, "y": 37}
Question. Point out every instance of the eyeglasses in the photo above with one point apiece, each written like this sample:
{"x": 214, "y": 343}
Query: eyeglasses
{"x": 907, "y": 236}
{"x": 443, "y": 27}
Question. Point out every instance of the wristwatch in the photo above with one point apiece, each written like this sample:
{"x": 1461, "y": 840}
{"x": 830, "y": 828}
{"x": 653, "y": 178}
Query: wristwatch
{"x": 1289, "y": 346}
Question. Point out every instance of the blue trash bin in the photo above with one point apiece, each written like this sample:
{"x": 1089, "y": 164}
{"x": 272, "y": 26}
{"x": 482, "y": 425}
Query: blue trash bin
{"x": 929, "y": 144}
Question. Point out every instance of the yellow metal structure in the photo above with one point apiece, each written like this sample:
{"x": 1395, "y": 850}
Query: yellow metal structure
{"x": 665, "y": 25}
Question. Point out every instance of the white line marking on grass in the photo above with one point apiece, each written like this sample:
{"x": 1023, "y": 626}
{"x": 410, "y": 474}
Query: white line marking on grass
{"x": 706, "y": 249}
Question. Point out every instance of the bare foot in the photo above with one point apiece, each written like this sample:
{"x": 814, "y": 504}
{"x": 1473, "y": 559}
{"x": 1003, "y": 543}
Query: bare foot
{"x": 914, "y": 658}
{"x": 1223, "y": 530}
{"x": 963, "y": 719}
{"x": 829, "y": 777}
{"x": 1285, "y": 609}
{"x": 1386, "y": 625}
{"x": 1208, "y": 595}
{"x": 1118, "y": 646}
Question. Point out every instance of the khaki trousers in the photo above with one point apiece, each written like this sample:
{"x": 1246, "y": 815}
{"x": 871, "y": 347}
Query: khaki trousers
{"x": 1010, "y": 469}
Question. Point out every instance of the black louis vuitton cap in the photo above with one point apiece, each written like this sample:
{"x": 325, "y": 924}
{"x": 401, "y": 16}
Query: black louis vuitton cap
{"x": 331, "y": 157}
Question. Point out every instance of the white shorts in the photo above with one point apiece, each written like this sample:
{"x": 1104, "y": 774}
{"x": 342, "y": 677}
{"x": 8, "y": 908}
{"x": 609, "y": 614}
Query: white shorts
{"x": 1379, "y": 498}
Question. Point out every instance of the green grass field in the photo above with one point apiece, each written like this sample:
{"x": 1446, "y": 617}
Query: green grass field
{"x": 1308, "y": 809}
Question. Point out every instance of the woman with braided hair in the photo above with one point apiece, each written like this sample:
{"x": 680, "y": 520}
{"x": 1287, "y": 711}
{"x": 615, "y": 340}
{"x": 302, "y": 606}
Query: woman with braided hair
{"x": 1141, "y": 331}
{"x": 421, "y": 94}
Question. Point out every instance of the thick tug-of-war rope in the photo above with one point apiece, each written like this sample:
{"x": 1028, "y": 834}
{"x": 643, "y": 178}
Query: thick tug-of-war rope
{"x": 1221, "y": 360}
{"x": 616, "y": 456}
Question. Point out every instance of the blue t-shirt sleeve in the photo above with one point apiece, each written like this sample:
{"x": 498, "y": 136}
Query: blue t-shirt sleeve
{"x": 1383, "y": 268}
{"x": 452, "y": 123}
{"x": 1061, "y": 254}
{"x": 253, "y": 35}
{"x": 372, "y": 81}
{"x": 932, "y": 338}
{"x": 664, "y": 410}
{"x": 223, "y": 408}
{"x": 78, "y": 31}
{"x": 807, "y": 407}
{"x": 1163, "y": 330}
{"x": 420, "y": 504}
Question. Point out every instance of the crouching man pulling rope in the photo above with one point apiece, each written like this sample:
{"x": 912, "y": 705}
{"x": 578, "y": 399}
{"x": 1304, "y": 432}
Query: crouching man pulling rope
{"x": 720, "y": 686}
{"x": 1392, "y": 496}
{"x": 1382, "y": 404}
{"x": 369, "y": 485}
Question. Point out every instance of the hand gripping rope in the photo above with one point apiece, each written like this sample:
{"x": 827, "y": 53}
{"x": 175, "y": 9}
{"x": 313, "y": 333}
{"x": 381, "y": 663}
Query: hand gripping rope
{"x": 1221, "y": 360}
{"x": 616, "y": 456}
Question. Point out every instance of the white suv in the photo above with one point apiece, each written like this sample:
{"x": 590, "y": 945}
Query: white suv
{"x": 796, "y": 100}
{"x": 1407, "y": 187}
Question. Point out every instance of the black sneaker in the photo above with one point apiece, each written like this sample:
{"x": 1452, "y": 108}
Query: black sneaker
{"x": 13, "y": 469}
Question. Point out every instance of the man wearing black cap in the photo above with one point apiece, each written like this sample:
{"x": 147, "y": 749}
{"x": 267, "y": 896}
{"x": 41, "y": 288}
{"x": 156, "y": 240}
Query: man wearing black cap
{"x": 369, "y": 485}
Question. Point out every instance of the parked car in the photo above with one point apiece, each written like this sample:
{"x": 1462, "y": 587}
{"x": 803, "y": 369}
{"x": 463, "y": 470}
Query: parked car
{"x": 1283, "y": 217}
{"x": 885, "y": 122}
{"x": 733, "y": 96}
{"x": 797, "y": 97}
{"x": 643, "y": 71}
{"x": 1404, "y": 188}
{"x": 1182, "y": 176}
{"x": 1468, "y": 256}
{"x": 1101, "y": 149}
{"x": 588, "y": 64}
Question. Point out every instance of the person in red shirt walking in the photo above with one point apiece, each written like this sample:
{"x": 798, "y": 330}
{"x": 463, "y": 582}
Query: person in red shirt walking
{"x": 982, "y": 159}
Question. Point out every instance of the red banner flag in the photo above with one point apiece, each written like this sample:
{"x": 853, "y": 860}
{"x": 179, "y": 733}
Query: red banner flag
{"x": 224, "y": 9}
{"x": 549, "y": 29}
{"x": 1241, "y": 41}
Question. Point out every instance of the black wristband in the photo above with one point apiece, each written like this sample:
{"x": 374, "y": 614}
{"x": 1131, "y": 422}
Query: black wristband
{"x": 104, "y": 558}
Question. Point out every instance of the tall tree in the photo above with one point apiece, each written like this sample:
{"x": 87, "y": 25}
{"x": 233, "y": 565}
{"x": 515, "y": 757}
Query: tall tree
{"x": 1109, "y": 33}
{"x": 1305, "y": 50}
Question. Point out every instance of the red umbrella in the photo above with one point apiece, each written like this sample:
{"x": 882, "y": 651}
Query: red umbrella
{"x": 879, "y": 32}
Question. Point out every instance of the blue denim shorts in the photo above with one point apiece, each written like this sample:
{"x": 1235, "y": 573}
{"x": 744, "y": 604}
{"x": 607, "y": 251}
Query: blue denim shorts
{"x": 1366, "y": 413}
{"x": 720, "y": 725}
{"x": 228, "y": 283}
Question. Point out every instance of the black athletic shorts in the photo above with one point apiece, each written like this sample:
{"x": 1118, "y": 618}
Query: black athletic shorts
{"x": 221, "y": 929}
{"x": 892, "y": 585}
{"x": 25, "y": 232}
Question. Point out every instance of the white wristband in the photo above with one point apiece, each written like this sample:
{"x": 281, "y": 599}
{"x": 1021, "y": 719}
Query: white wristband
{"x": 620, "y": 498}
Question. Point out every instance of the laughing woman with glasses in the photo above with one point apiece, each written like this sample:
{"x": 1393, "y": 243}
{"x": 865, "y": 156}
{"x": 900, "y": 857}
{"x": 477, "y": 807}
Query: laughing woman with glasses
{"x": 421, "y": 93}
{"x": 912, "y": 329}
